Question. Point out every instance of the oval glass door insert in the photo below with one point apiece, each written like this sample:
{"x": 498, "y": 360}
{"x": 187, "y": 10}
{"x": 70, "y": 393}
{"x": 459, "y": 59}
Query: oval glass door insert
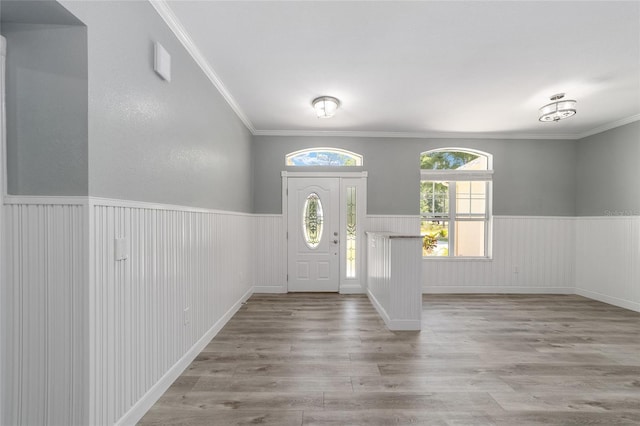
{"x": 312, "y": 218}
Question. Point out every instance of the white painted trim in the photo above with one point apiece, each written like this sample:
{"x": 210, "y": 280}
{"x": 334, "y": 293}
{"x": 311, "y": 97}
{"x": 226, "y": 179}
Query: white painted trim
{"x": 612, "y": 217}
{"x": 447, "y": 135}
{"x": 110, "y": 202}
{"x": 609, "y": 126}
{"x": 401, "y": 216}
{"x": 46, "y": 200}
{"x": 435, "y": 289}
{"x": 172, "y": 21}
{"x": 412, "y": 135}
{"x": 312, "y": 174}
{"x": 3, "y": 193}
{"x": 396, "y": 324}
{"x": 351, "y": 289}
{"x": 456, "y": 174}
{"x": 143, "y": 405}
{"x": 269, "y": 289}
{"x": 634, "y": 306}
{"x": 405, "y": 325}
{"x": 379, "y": 308}
{"x": 570, "y": 218}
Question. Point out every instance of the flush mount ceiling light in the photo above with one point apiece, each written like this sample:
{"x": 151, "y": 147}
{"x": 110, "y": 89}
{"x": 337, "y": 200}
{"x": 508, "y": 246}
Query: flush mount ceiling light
{"x": 557, "y": 110}
{"x": 325, "y": 106}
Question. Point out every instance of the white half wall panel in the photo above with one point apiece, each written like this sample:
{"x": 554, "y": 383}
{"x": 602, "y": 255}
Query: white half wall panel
{"x": 608, "y": 259}
{"x": 406, "y": 225}
{"x": 530, "y": 255}
{"x": 270, "y": 254}
{"x": 187, "y": 272}
{"x": 44, "y": 301}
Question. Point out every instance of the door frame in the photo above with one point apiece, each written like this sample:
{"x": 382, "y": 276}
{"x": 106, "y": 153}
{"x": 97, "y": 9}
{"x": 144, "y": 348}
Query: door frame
{"x": 359, "y": 179}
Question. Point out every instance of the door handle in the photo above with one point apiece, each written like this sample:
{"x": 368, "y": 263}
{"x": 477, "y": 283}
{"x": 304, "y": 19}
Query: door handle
{"x": 335, "y": 241}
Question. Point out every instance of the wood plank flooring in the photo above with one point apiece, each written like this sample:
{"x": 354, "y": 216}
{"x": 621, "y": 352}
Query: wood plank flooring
{"x": 327, "y": 359}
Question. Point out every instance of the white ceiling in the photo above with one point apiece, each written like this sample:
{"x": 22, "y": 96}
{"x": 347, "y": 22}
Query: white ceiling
{"x": 418, "y": 68}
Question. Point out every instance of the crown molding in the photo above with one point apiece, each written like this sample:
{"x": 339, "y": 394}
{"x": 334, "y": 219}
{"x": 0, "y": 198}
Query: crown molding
{"x": 183, "y": 36}
{"x": 609, "y": 126}
{"x": 415, "y": 135}
{"x": 174, "y": 24}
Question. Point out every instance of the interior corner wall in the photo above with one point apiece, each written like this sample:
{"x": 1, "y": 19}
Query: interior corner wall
{"x": 608, "y": 223}
{"x": 46, "y": 109}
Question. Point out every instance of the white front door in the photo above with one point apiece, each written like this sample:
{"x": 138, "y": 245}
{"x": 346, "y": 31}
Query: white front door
{"x": 313, "y": 232}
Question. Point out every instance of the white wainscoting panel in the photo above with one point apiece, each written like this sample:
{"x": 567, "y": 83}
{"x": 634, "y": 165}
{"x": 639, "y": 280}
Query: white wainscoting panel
{"x": 44, "y": 303}
{"x": 401, "y": 224}
{"x": 186, "y": 272}
{"x": 530, "y": 255}
{"x": 608, "y": 260}
{"x": 393, "y": 276}
{"x": 270, "y": 254}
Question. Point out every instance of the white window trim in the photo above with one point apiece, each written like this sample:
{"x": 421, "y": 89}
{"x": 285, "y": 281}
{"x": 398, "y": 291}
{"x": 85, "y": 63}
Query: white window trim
{"x": 463, "y": 175}
{"x": 445, "y": 175}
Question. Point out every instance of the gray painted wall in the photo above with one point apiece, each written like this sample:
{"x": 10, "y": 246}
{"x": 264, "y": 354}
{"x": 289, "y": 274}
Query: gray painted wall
{"x": 532, "y": 177}
{"x": 608, "y": 173}
{"x": 150, "y": 140}
{"x": 46, "y": 102}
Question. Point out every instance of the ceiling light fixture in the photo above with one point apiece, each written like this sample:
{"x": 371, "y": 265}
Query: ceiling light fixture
{"x": 557, "y": 110}
{"x": 325, "y": 106}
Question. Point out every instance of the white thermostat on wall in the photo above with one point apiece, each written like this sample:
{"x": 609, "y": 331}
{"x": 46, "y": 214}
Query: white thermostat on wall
{"x": 162, "y": 62}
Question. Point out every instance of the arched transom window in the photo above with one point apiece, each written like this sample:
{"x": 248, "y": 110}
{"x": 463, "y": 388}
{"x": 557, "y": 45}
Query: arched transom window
{"x": 332, "y": 157}
{"x": 455, "y": 202}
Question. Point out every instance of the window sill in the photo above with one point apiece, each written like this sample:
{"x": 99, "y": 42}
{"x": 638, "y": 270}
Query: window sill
{"x": 457, "y": 259}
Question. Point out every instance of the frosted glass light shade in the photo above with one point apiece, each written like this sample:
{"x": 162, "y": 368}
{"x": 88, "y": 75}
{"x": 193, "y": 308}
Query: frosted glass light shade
{"x": 558, "y": 110}
{"x": 325, "y": 106}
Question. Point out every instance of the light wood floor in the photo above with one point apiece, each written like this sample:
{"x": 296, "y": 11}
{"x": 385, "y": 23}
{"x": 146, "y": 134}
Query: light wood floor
{"x": 327, "y": 359}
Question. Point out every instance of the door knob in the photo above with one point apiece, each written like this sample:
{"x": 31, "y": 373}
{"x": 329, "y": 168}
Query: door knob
{"x": 335, "y": 241}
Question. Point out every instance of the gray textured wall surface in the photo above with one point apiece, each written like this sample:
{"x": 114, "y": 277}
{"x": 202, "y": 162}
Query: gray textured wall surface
{"x": 532, "y": 177}
{"x": 174, "y": 142}
{"x": 608, "y": 174}
{"x": 46, "y": 102}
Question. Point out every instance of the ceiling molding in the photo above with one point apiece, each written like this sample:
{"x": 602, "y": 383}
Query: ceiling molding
{"x": 419, "y": 135}
{"x": 609, "y": 126}
{"x": 183, "y": 36}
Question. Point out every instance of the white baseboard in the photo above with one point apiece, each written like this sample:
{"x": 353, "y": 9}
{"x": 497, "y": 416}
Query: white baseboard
{"x": 381, "y": 311}
{"x": 143, "y": 405}
{"x": 351, "y": 289}
{"x": 622, "y": 303}
{"x": 405, "y": 325}
{"x": 496, "y": 289}
{"x": 397, "y": 324}
{"x": 269, "y": 289}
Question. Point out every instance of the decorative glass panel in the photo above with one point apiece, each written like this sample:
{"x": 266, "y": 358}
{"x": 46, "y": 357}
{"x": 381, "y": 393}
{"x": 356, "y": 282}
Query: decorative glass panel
{"x": 312, "y": 218}
{"x": 453, "y": 160}
{"x": 351, "y": 232}
{"x": 331, "y": 157}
